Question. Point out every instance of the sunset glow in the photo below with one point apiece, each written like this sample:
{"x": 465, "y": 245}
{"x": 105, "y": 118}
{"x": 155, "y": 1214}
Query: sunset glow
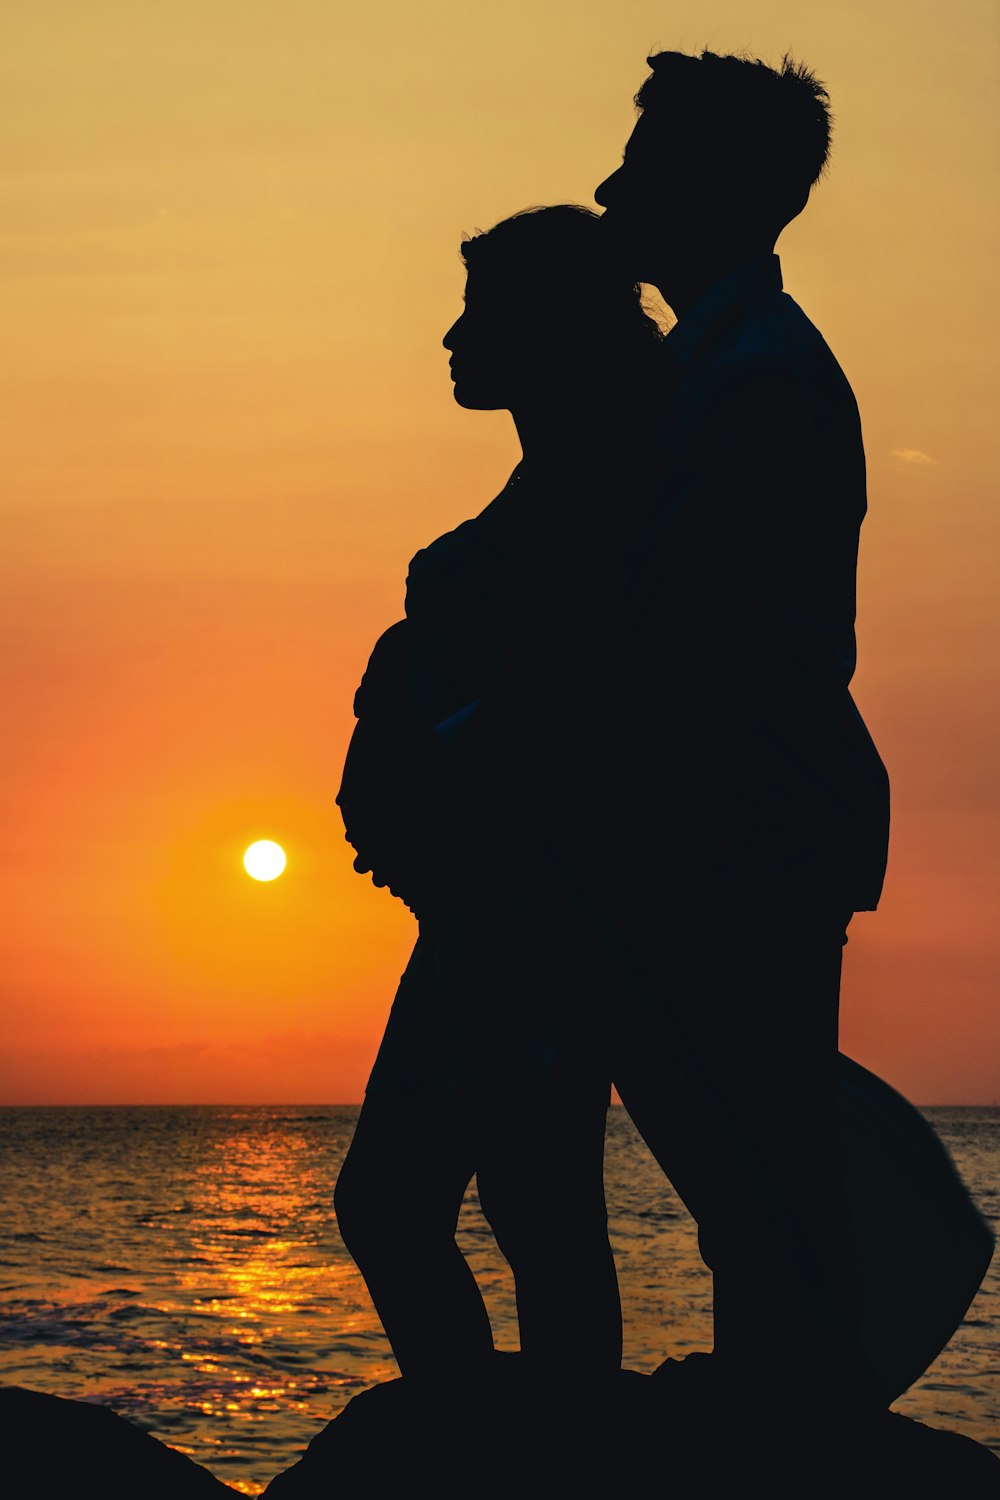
{"x": 230, "y": 252}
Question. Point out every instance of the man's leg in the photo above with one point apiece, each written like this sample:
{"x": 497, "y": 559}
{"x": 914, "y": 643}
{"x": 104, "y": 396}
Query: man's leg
{"x": 728, "y": 1074}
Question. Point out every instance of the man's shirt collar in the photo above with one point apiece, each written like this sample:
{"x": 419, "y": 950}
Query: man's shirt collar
{"x": 722, "y": 302}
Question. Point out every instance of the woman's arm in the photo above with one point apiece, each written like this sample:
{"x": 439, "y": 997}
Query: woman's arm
{"x": 388, "y": 788}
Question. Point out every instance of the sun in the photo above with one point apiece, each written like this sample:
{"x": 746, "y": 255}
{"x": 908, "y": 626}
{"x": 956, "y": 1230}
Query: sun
{"x": 264, "y": 860}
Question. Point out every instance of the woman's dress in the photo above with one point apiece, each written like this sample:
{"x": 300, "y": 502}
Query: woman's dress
{"x": 492, "y": 993}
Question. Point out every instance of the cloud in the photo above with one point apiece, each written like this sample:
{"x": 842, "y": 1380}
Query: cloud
{"x": 911, "y": 456}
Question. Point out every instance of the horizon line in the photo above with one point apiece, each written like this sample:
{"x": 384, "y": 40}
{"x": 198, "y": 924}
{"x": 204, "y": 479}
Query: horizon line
{"x": 332, "y": 1104}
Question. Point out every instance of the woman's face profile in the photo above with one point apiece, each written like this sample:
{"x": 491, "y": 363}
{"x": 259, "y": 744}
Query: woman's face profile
{"x": 487, "y": 346}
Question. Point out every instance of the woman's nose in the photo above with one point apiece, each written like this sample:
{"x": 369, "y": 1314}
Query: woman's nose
{"x": 449, "y": 339}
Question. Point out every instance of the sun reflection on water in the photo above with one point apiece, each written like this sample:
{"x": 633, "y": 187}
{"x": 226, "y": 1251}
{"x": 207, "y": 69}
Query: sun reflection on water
{"x": 183, "y": 1266}
{"x": 202, "y": 1288}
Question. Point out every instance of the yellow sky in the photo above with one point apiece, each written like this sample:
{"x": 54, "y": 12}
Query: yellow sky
{"x": 229, "y": 251}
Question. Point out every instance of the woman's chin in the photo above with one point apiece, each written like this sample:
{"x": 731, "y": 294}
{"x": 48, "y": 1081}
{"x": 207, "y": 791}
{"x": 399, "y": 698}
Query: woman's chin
{"x": 476, "y": 400}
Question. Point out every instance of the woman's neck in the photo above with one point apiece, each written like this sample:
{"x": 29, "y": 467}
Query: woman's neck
{"x": 562, "y": 430}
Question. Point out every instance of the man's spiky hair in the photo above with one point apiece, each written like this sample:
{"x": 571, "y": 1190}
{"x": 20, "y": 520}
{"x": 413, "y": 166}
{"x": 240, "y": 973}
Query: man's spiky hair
{"x": 771, "y": 123}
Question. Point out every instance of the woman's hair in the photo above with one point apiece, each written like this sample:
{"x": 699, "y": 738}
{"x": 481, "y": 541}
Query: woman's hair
{"x": 558, "y": 264}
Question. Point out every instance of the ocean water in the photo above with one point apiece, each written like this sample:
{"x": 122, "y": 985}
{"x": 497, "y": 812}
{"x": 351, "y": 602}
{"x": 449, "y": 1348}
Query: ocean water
{"x": 183, "y": 1266}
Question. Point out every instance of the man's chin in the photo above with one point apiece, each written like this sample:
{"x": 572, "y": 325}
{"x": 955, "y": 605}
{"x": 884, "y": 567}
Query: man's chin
{"x": 625, "y": 244}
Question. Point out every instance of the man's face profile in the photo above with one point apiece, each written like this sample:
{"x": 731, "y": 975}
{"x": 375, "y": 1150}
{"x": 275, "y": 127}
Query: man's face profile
{"x": 640, "y": 198}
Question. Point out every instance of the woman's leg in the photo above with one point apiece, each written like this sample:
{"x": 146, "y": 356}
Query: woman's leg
{"x": 397, "y": 1201}
{"x": 541, "y": 1185}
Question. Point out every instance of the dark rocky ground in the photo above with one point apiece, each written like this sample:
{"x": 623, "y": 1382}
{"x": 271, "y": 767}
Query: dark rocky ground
{"x": 501, "y": 1435}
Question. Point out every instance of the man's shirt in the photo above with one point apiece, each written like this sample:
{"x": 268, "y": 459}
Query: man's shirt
{"x": 751, "y": 765}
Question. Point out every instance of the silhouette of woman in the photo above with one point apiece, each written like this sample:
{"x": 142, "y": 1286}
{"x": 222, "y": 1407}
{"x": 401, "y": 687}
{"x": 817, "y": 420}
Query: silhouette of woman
{"x": 492, "y": 1062}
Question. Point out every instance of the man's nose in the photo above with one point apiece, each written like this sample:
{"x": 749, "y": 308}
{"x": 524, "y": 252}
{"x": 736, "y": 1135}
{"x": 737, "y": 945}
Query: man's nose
{"x": 605, "y": 190}
{"x": 449, "y": 339}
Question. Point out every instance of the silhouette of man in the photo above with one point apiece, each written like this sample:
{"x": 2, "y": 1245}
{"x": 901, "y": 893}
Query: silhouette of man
{"x": 750, "y": 806}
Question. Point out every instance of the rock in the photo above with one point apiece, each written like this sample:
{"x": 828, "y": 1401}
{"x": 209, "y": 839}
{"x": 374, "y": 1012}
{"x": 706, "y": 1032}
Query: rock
{"x": 57, "y": 1447}
{"x": 507, "y": 1434}
{"x": 502, "y": 1435}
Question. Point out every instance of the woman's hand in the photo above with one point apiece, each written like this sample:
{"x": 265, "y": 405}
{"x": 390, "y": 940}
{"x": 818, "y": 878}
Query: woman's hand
{"x": 396, "y": 884}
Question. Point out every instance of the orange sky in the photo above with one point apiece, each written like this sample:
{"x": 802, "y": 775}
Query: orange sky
{"x": 229, "y": 252}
